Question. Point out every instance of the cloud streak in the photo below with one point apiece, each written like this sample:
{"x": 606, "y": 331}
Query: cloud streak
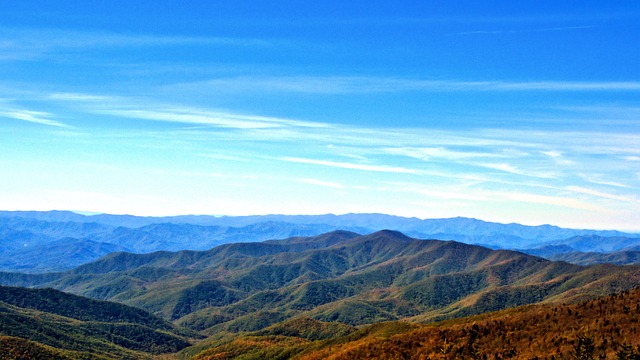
{"x": 363, "y": 85}
{"x": 135, "y": 109}
{"x": 520, "y": 31}
{"x": 323, "y": 183}
{"x": 587, "y": 191}
{"x": 28, "y": 44}
{"x": 434, "y": 153}
{"x": 36, "y": 117}
{"x": 352, "y": 166}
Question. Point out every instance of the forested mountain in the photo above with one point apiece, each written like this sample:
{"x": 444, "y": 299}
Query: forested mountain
{"x": 603, "y": 328}
{"x": 47, "y": 323}
{"x": 590, "y": 258}
{"x": 337, "y": 277}
{"x": 37, "y": 242}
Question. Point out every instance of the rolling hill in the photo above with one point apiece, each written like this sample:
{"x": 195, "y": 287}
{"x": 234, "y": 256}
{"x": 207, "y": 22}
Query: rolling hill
{"x": 46, "y": 323}
{"x": 335, "y": 277}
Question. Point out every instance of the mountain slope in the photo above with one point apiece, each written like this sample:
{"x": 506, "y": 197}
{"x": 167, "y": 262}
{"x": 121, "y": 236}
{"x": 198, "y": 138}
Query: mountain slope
{"x": 339, "y": 276}
{"x": 79, "y": 326}
{"x": 601, "y": 328}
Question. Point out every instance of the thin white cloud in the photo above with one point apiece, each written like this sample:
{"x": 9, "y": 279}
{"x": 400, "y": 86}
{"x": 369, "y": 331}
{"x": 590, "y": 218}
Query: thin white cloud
{"x": 37, "y": 117}
{"x": 211, "y": 118}
{"x": 18, "y": 44}
{"x": 322, "y": 183}
{"x": 527, "y": 158}
{"x": 573, "y": 142}
{"x": 516, "y": 171}
{"x": 429, "y": 153}
{"x": 463, "y": 192}
{"x": 225, "y": 157}
{"x": 452, "y": 195}
{"x": 552, "y": 154}
{"x": 598, "y": 179}
{"x": 582, "y": 190}
{"x": 177, "y": 116}
{"x": 557, "y": 157}
{"x": 351, "y": 84}
{"x": 548, "y": 200}
{"x": 513, "y": 31}
{"x": 567, "y": 86}
{"x": 79, "y": 97}
{"x": 351, "y": 166}
{"x": 446, "y": 144}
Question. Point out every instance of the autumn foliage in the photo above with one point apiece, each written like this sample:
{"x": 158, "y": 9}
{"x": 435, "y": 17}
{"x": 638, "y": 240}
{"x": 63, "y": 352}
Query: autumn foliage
{"x": 604, "y": 328}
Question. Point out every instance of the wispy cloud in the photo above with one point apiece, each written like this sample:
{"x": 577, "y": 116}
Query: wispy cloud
{"x": 79, "y": 97}
{"x": 464, "y": 192}
{"x": 323, "y": 183}
{"x": 558, "y": 157}
{"x": 225, "y": 157}
{"x": 27, "y": 44}
{"x": 516, "y": 171}
{"x": 430, "y": 153}
{"x": 418, "y": 143}
{"x": 37, "y": 117}
{"x": 599, "y": 179}
{"x": 520, "y": 31}
{"x": 583, "y": 190}
{"x": 521, "y": 159}
{"x": 139, "y": 109}
{"x": 350, "y": 85}
{"x": 552, "y": 154}
{"x": 549, "y": 200}
{"x": 452, "y": 195}
{"x": 352, "y": 166}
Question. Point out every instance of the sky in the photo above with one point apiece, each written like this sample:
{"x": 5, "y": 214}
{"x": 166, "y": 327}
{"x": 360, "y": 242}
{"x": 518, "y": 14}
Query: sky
{"x": 506, "y": 111}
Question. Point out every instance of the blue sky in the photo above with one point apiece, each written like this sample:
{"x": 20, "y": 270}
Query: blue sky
{"x": 505, "y": 111}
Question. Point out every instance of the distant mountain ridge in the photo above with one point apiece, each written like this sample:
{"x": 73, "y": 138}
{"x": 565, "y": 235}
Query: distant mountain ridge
{"x": 60, "y": 240}
{"x": 412, "y": 226}
{"x": 339, "y": 276}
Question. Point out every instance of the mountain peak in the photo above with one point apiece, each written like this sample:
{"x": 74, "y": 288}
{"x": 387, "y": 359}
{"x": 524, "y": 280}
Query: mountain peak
{"x": 391, "y": 233}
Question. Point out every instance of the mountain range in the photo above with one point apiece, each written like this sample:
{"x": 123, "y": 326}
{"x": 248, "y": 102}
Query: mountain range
{"x": 37, "y": 242}
{"x": 328, "y": 287}
{"x": 339, "y": 276}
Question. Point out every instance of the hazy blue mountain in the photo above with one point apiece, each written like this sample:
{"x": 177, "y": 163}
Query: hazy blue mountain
{"x": 59, "y": 240}
{"x": 57, "y": 255}
{"x": 549, "y": 250}
{"x": 36, "y": 232}
{"x": 590, "y": 258}
{"x": 459, "y": 228}
{"x": 598, "y": 243}
{"x": 175, "y": 237}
